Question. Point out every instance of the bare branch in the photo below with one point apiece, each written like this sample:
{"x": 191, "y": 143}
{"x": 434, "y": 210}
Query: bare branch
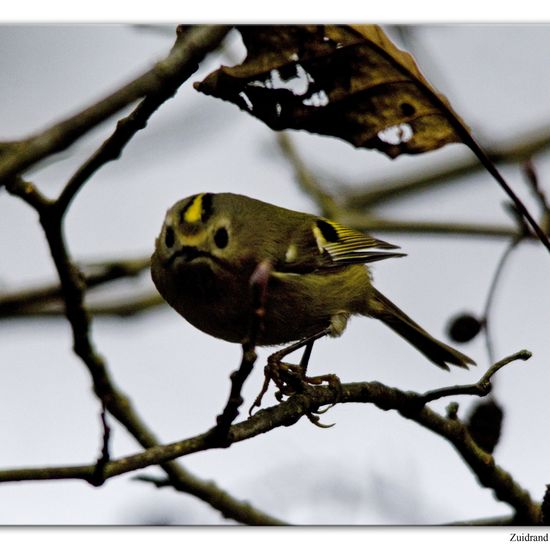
{"x": 98, "y": 477}
{"x": 182, "y": 59}
{"x": 408, "y": 404}
{"x": 481, "y": 388}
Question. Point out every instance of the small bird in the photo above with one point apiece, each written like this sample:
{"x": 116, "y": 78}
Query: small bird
{"x": 211, "y": 244}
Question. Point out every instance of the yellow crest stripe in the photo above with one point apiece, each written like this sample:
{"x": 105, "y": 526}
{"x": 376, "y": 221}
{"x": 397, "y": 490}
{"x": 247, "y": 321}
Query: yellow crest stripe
{"x": 194, "y": 211}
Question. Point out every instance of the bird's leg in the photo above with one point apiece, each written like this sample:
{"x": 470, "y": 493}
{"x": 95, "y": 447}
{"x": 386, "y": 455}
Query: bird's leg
{"x": 331, "y": 379}
{"x": 304, "y": 361}
{"x": 275, "y": 367}
{"x": 291, "y": 379}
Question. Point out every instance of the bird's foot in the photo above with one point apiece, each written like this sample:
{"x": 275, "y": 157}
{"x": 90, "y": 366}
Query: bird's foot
{"x": 291, "y": 379}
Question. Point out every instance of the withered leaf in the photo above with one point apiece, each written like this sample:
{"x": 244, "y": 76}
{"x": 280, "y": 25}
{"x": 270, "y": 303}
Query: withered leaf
{"x": 340, "y": 80}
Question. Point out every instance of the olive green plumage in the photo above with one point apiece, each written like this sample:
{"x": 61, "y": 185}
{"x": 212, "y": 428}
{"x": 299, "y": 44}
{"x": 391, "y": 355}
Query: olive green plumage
{"x": 210, "y": 245}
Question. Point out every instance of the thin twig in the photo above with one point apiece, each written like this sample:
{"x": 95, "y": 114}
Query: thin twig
{"x": 492, "y": 169}
{"x": 98, "y": 477}
{"x": 28, "y": 192}
{"x": 491, "y": 294}
{"x": 481, "y": 388}
{"x": 533, "y": 179}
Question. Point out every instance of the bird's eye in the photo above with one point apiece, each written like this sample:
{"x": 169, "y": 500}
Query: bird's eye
{"x": 169, "y": 238}
{"x": 221, "y": 238}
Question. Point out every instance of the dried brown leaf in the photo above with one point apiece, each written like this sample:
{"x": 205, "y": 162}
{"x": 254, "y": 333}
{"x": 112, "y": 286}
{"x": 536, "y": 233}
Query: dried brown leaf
{"x": 340, "y": 80}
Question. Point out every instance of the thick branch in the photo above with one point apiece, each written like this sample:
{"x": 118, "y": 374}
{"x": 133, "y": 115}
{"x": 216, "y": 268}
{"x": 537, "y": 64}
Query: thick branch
{"x": 289, "y": 412}
{"x": 182, "y": 59}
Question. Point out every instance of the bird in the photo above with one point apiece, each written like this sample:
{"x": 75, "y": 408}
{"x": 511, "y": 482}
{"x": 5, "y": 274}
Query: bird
{"x": 210, "y": 245}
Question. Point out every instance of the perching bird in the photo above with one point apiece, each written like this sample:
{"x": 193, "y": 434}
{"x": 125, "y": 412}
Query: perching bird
{"x": 210, "y": 245}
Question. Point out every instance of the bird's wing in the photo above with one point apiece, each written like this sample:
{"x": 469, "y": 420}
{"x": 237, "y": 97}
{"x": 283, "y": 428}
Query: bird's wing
{"x": 326, "y": 244}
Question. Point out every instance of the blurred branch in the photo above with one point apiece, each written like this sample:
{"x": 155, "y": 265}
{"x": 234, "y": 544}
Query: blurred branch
{"x": 408, "y": 404}
{"x": 491, "y": 294}
{"x": 183, "y": 59}
{"x": 129, "y": 307}
{"x": 115, "y": 308}
{"x": 34, "y": 301}
{"x": 366, "y": 222}
{"x": 348, "y": 213}
{"x": 249, "y": 514}
{"x": 307, "y": 182}
{"x": 45, "y": 301}
{"x": 521, "y": 149}
{"x": 179, "y": 479}
{"x": 531, "y": 175}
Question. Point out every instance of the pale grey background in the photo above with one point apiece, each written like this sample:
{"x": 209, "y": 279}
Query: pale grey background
{"x": 373, "y": 467}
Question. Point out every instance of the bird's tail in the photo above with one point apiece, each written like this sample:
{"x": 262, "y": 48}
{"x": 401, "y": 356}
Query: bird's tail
{"x": 439, "y": 353}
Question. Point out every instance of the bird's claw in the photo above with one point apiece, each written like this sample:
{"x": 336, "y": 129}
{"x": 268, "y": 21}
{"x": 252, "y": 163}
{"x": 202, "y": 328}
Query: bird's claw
{"x": 291, "y": 379}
